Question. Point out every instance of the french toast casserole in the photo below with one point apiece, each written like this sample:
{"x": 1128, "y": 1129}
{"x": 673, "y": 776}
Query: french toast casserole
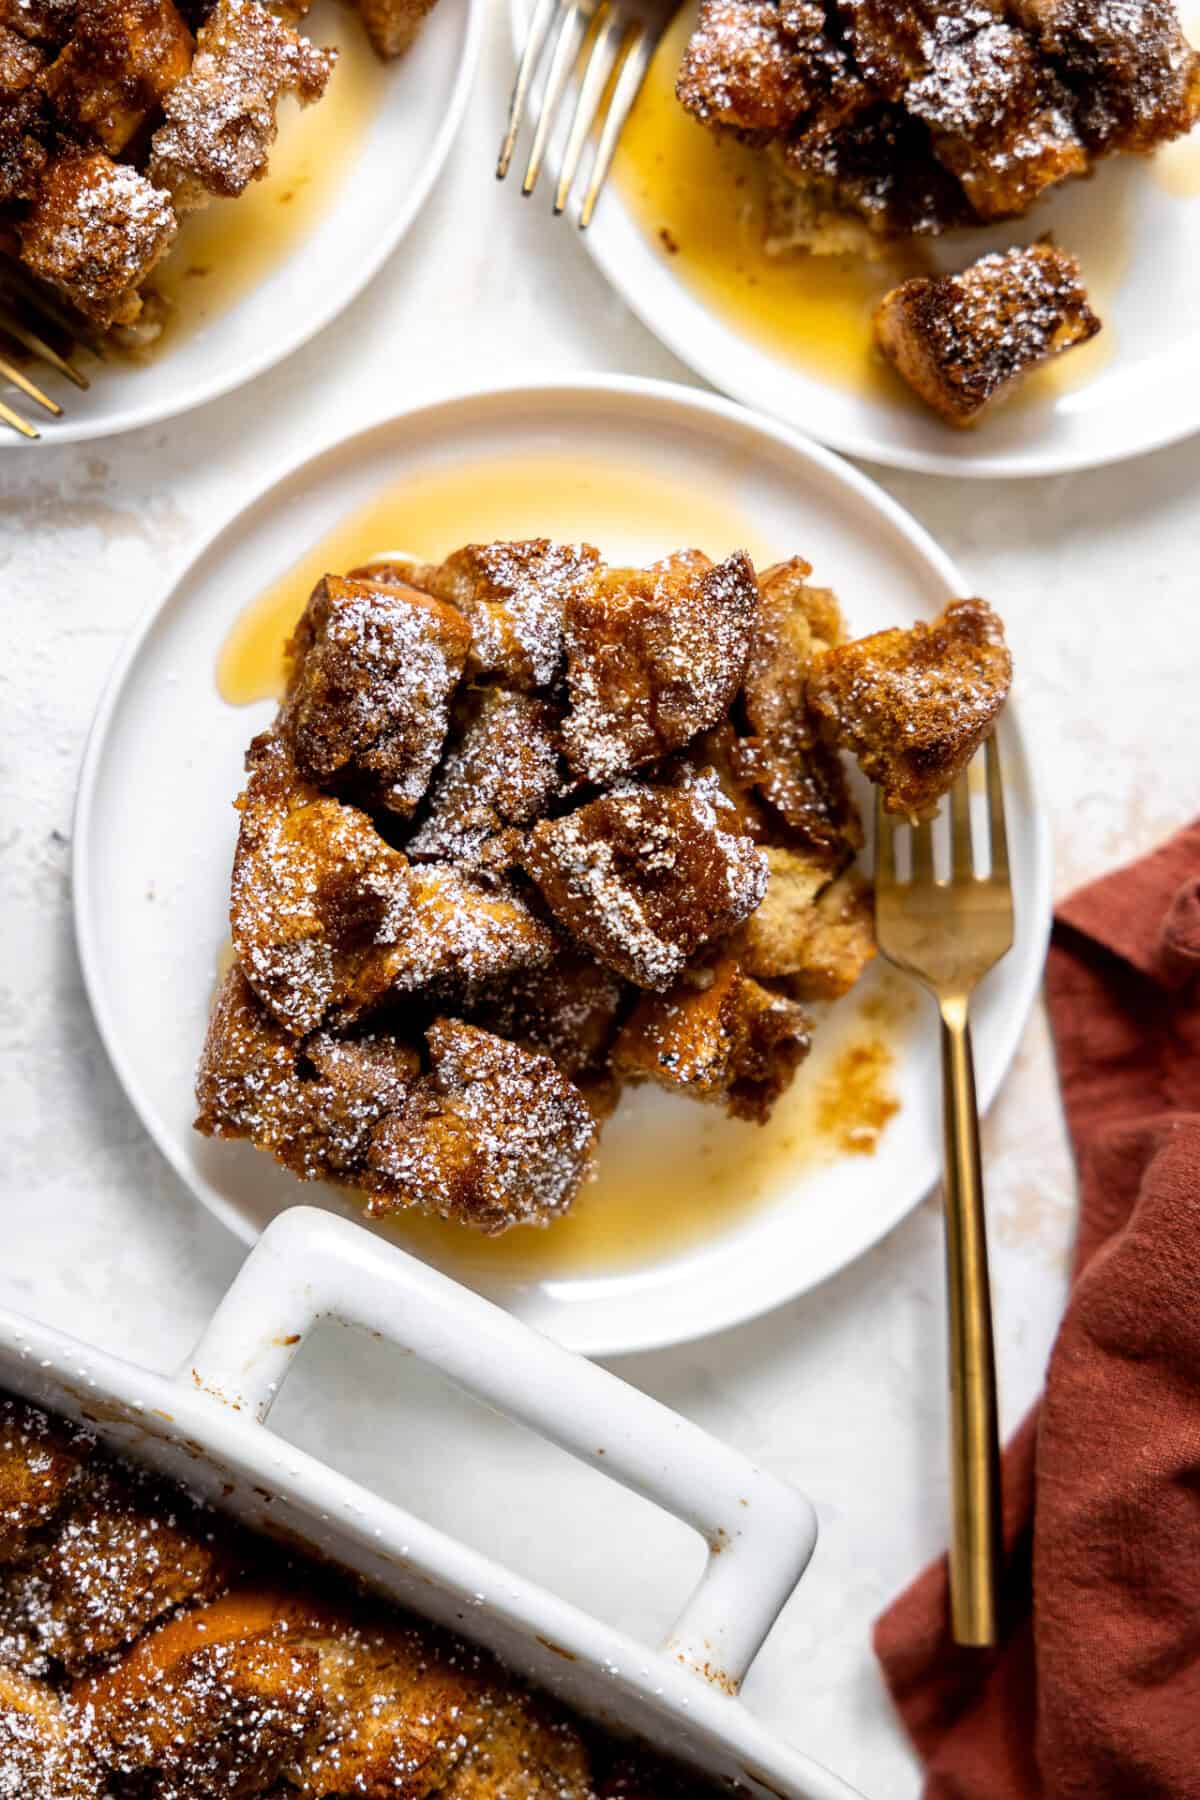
{"x": 120, "y": 117}
{"x": 528, "y": 827}
{"x": 152, "y": 1650}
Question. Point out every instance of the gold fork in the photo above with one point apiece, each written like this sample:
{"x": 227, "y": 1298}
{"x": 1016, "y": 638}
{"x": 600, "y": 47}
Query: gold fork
{"x": 948, "y": 934}
{"x": 28, "y": 319}
{"x": 611, "y": 44}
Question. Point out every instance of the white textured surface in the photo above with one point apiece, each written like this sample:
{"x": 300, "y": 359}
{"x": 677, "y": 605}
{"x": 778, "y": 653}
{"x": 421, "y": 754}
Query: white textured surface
{"x": 841, "y": 1392}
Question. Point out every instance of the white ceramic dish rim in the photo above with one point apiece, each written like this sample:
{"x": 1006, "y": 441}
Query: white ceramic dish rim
{"x": 206, "y": 1427}
{"x": 1160, "y": 426}
{"x": 351, "y": 278}
{"x": 767, "y": 1295}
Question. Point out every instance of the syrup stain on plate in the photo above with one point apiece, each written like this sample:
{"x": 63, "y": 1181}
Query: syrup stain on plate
{"x": 229, "y": 246}
{"x": 701, "y": 200}
{"x": 671, "y": 1173}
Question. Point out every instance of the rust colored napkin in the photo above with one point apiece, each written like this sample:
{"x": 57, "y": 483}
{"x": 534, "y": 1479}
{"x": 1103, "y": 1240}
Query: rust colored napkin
{"x": 1095, "y": 1688}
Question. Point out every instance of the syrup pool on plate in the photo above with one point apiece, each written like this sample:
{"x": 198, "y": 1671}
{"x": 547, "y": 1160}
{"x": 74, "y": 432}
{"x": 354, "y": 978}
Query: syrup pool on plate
{"x": 227, "y": 247}
{"x": 671, "y": 1173}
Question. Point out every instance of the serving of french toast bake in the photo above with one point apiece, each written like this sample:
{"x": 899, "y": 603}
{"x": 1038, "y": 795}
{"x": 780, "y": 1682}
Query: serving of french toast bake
{"x": 528, "y": 827}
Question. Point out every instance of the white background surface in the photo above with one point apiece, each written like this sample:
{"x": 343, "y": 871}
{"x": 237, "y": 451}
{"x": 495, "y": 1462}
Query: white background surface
{"x": 842, "y": 1392}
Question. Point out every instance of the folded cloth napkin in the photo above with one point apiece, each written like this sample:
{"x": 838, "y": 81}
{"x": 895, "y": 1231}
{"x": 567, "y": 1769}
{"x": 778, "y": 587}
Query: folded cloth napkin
{"x": 1095, "y": 1687}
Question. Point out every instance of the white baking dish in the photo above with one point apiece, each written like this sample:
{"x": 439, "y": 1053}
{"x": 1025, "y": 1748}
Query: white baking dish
{"x": 206, "y": 1427}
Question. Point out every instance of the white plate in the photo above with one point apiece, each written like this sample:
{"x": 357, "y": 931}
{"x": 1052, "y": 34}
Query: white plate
{"x": 1142, "y": 246}
{"x": 398, "y": 157}
{"x": 154, "y": 827}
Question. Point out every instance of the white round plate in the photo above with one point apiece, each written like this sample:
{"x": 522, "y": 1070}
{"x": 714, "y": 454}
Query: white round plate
{"x": 154, "y": 828}
{"x": 422, "y": 99}
{"x": 1141, "y": 244}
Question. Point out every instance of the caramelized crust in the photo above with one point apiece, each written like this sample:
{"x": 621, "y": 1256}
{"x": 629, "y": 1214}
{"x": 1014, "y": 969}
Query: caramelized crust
{"x": 855, "y": 186}
{"x": 720, "y": 1037}
{"x": 40, "y": 1460}
{"x": 963, "y": 341}
{"x": 653, "y": 657}
{"x": 819, "y": 944}
{"x": 1134, "y": 76}
{"x": 495, "y": 1136}
{"x": 41, "y": 21}
{"x": 644, "y": 876}
{"x": 502, "y": 769}
{"x": 757, "y": 66}
{"x": 42, "y": 1756}
{"x": 95, "y": 230}
{"x": 219, "y": 121}
{"x": 566, "y": 1010}
{"x": 914, "y": 706}
{"x": 525, "y": 1751}
{"x": 371, "y": 669}
{"x": 123, "y": 58}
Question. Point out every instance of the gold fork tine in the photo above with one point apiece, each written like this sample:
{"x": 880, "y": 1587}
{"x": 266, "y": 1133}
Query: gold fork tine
{"x": 538, "y": 30}
{"x": 37, "y": 346}
{"x": 566, "y": 47}
{"x": 17, "y": 422}
{"x": 962, "y": 855}
{"x": 996, "y": 826}
{"x": 19, "y": 379}
{"x": 634, "y": 60}
{"x": 600, "y": 64}
{"x": 922, "y": 851}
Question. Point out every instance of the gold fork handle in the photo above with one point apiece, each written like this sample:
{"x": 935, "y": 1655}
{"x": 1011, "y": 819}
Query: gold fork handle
{"x": 975, "y": 1546}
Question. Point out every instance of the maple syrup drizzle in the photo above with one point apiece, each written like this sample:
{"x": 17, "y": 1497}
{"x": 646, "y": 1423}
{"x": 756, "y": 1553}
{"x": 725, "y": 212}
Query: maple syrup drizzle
{"x": 671, "y": 1174}
{"x": 228, "y": 247}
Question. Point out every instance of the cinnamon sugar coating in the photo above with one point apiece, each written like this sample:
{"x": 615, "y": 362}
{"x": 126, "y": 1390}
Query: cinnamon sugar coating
{"x": 95, "y": 230}
{"x": 42, "y": 1752}
{"x": 39, "y": 1461}
{"x": 578, "y": 788}
{"x": 123, "y": 58}
{"x": 914, "y": 706}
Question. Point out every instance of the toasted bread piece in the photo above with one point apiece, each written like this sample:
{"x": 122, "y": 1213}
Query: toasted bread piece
{"x": 718, "y": 1036}
{"x": 526, "y": 1751}
{"x": 502, "y": 769}
{"x": 213, "y": 1704}
{"x": 963, "y": 341}
{"x": 566, "y": 1010}
{"x": 914, "y": 706}
{"x": 393, "y": 25}
{"x": 495, "y": 1136}
{"x": 653, "y": 657}
{"x": 756, "y": 66}
{"x": 42, "y": 1756}
{"x": 313, "y": 1102}
{"x": 371, "y": 671}
{"x": 644, "y": 876}
{"x": 21, "y": 62}
{"x": 46, "y": 22}
{"x": 95, "y": 230}
{"x": 119, "y": 1554}
{"x": 514, "y": 597}
{"x": 815, "y": 945}
{"x": 853, "y": 187}
{"x": 123, "y": 58}
{"x": 219, "y": 121}
{"x": 40, "y": 1460}
{"x": 1133, "y": 74}
{"x": 25, "y": 126}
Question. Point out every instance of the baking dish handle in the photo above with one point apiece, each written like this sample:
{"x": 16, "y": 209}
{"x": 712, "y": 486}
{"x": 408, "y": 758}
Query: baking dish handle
{"x": 310, "y": 1265}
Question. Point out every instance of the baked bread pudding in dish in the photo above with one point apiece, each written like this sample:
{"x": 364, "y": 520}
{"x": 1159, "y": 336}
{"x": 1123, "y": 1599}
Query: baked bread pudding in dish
{"x": 149, "y": 1647}
{"x": 528, "y": 827}
{"x": 120, "y": 117}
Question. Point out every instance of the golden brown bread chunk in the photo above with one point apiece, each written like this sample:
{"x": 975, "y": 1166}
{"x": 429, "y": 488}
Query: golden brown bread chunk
{"x": 526, "y": 1751}
{"x": 41, "y": 21}
{"x": 25, "y": 127}
{"x": 817, "y": 943}
{"x": 219, "y": 121}
{"x": 371, "y": 671}
{"x": 21, "y": 62}
{"x": 757, "y": 66}
{"x": 313, "y": 1102}
{"x": 513, "y": 595}
{"x": 644, "y": 876}
{"x": 1134, "y": 76}
{"x": 719, "y": 1036}
{"x": 123, "y": 58}
{"x": 494, "y": 1136}
{"x": 566, "y": 1009}
{"x": 329, "y": 921}
{"x": 42, "y": 1756}
{"x": 212, "y": 1704}
{"x": 501, "y": 769}
{"x": 119, "y": 1555}
{"x": 393, "y": 25}
{"x": 851, "y": 188}
{"x": 914, "y": 706}
{"x": 95, "y": 230}
{"x": 653, "y": 657}
{"x": 40, "y": 1459}
{"x": 963, "y": 341}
